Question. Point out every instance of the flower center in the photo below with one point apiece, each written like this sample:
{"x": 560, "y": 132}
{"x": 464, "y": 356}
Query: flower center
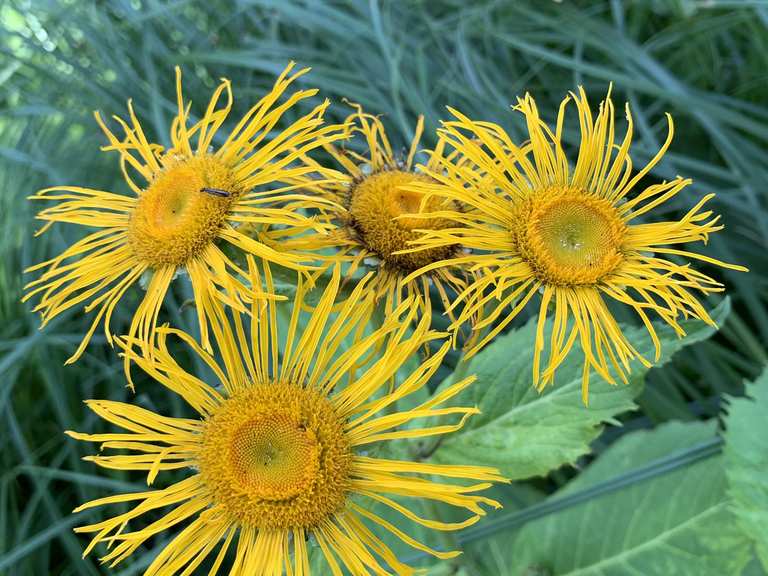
{"x": 275, "y": 456}
{"x": 175, "y": 219}
{"x": 375, "y": 202}
{"x": 569, "y": 237}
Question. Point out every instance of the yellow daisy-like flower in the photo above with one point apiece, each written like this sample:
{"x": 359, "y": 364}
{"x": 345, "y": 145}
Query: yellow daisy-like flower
{"x": 374, "y": 212}
{"x": 571, "y": 234}
{"x": 191, "y": 201}
{"x": 285, "y": 442}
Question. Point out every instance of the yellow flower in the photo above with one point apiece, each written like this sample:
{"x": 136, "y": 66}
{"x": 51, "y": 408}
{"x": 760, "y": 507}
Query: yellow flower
{"x": 376, "y": 216}
{"x": 284, "y": 447}
{"x": 573, "y": 235}
{"x": 188, "y": 205}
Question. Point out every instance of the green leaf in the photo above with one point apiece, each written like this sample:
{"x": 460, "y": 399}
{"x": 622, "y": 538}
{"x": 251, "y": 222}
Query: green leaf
{"x": 525, "y": 433}
{"x": 676, "y": 523}
{"x": 746, "y": 462}
{"x": 754, "y": 568}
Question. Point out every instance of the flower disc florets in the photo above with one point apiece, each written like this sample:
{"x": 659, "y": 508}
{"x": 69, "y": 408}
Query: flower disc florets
{"x": 276, "y": 456}
{"x": 378, "y": 209}
{"x": 175, "y": 218}
{"x": 568, "y": 236}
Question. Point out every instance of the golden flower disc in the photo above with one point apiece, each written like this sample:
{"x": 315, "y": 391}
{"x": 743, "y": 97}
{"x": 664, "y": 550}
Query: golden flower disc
{"x": 273, "y": 458}
{"x": 276, "y": 456}
{"x": 174, "y": 219}
{"x": 569, "y": 237}
{"x": 375, "y": 202}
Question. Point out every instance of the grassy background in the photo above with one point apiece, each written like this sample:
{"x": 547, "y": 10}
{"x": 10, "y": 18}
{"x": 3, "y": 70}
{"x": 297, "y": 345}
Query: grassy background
{"x": 705, "y": 62}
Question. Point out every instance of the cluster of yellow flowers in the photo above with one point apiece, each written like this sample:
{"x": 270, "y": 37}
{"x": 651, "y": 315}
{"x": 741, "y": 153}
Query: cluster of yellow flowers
{"x": 276, "y": 449}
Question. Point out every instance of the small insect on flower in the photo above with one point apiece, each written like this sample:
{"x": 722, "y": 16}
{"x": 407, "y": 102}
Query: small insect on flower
{"x": 188, "y": 201}
{"x": 569, "y": 234}
{"x": 216, "y": 192}
{"x": 282, "y": 447}
{"x": 377, "y": 217}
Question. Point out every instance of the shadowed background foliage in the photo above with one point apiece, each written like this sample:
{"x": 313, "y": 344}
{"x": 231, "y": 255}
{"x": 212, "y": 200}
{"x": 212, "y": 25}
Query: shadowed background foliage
{"x": 704, "y": 62}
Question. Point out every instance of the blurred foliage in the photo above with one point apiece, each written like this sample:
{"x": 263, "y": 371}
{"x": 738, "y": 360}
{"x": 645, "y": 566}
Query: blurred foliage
{"x": 704, "y": 62}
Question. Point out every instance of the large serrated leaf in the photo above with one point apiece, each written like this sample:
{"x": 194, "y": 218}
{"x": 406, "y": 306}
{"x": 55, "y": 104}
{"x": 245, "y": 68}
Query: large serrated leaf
{"x": 746, "y": 462}
{"x": 676, "y": 523}
{"x": 525, "y": 433}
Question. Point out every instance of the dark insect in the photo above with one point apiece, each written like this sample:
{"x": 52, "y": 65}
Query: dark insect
{"x": 215, "y": 192}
